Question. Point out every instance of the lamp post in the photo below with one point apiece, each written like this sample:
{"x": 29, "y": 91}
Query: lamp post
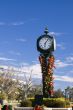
{"x": 46, "y": 45}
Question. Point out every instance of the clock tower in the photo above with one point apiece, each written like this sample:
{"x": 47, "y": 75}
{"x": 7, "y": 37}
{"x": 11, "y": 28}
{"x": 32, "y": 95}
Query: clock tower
{"x": 46, "y": 45}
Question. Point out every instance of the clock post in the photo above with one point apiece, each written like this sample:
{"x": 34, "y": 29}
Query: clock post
{"x": 46, "y": 45}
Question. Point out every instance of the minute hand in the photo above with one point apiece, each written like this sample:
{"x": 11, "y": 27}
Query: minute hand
{"x": 45, "y": 43}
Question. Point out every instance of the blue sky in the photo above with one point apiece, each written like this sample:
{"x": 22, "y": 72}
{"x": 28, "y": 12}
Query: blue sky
{"x": 23, "y": 21}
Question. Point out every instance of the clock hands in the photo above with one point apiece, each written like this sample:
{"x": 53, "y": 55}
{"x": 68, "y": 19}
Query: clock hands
{"x": 45, "y": 43}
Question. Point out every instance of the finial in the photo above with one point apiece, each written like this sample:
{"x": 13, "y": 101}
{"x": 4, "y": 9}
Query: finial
{"x": 46, "y": 31}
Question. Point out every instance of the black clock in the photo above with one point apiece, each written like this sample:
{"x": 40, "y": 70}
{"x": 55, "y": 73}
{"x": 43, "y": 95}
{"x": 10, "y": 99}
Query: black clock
{"x": 45, "y": 43}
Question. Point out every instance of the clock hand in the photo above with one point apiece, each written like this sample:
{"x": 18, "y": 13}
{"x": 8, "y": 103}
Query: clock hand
{"x": 45, "y": 43}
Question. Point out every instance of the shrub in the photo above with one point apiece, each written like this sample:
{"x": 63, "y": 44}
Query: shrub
{"x": 67, "y": 103}
{"x": 56, "y": 102}
{"x": 48, "y": 102}
{"x": 26, "y": 103}
{"x": 33, "y": 102}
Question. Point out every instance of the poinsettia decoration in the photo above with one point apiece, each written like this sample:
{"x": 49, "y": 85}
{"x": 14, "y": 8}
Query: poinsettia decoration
{"x": 47, "y": 65}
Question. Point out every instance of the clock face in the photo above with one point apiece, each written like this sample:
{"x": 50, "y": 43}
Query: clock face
{"x": 45, "y": 43}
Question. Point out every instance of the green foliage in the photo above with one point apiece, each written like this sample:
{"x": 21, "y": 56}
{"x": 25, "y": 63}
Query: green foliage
{"x": 56, "y": 102}
{"x": 10, "y": 107}
{"x": 67, "y": 103}
{"x": 33, "y": 101}
{"x": 3, "y": 96}
{"x": 26, "y": 103}
{"x": 53, "y": 102}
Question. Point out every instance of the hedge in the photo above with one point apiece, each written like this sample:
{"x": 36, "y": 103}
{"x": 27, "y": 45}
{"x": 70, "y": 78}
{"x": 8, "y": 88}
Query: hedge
{"x": 48, "y": 102}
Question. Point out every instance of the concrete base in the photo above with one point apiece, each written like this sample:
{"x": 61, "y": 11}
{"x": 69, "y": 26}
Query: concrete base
{"x": 31, "y": 108}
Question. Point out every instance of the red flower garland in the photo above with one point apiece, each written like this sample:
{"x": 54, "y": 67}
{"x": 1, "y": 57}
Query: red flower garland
{"x": 47, "y": 69}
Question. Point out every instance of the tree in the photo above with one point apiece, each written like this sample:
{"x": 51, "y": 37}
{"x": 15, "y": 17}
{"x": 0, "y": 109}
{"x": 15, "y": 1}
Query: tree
{"x": 58, "y": 93}
{"x": 25, "y": 86}
{"x": 69, "y": 93}
{"x": 8, "y": 85}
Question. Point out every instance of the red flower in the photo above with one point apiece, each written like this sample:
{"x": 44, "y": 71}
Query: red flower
{"x": 51, "y": 92}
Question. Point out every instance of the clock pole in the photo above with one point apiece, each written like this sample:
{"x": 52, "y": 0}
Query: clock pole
{"x": 46, "y": 59}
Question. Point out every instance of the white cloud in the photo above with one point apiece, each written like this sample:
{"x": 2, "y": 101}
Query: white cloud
{"x": 61, "y": 46}
{"x": 55, "y": 33}
{"x": 69, "y": 59}
{"x": 6, "y": 59}
{"x": 13, "y": 23}
{"x": 23, "y": 22}
{"x": 34, "y": 62}
{"x": 60, "y": 64}
{"x": 64, "y": 78}
{"x": 21, "y": 40}
{"x": 24, "y": 64}
{"x": 17, "y": 23}
{"x": 35, "y": 72}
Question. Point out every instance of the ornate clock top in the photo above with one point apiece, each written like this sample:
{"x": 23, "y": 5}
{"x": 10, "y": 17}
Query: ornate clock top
{"x": 46, "y": 31}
